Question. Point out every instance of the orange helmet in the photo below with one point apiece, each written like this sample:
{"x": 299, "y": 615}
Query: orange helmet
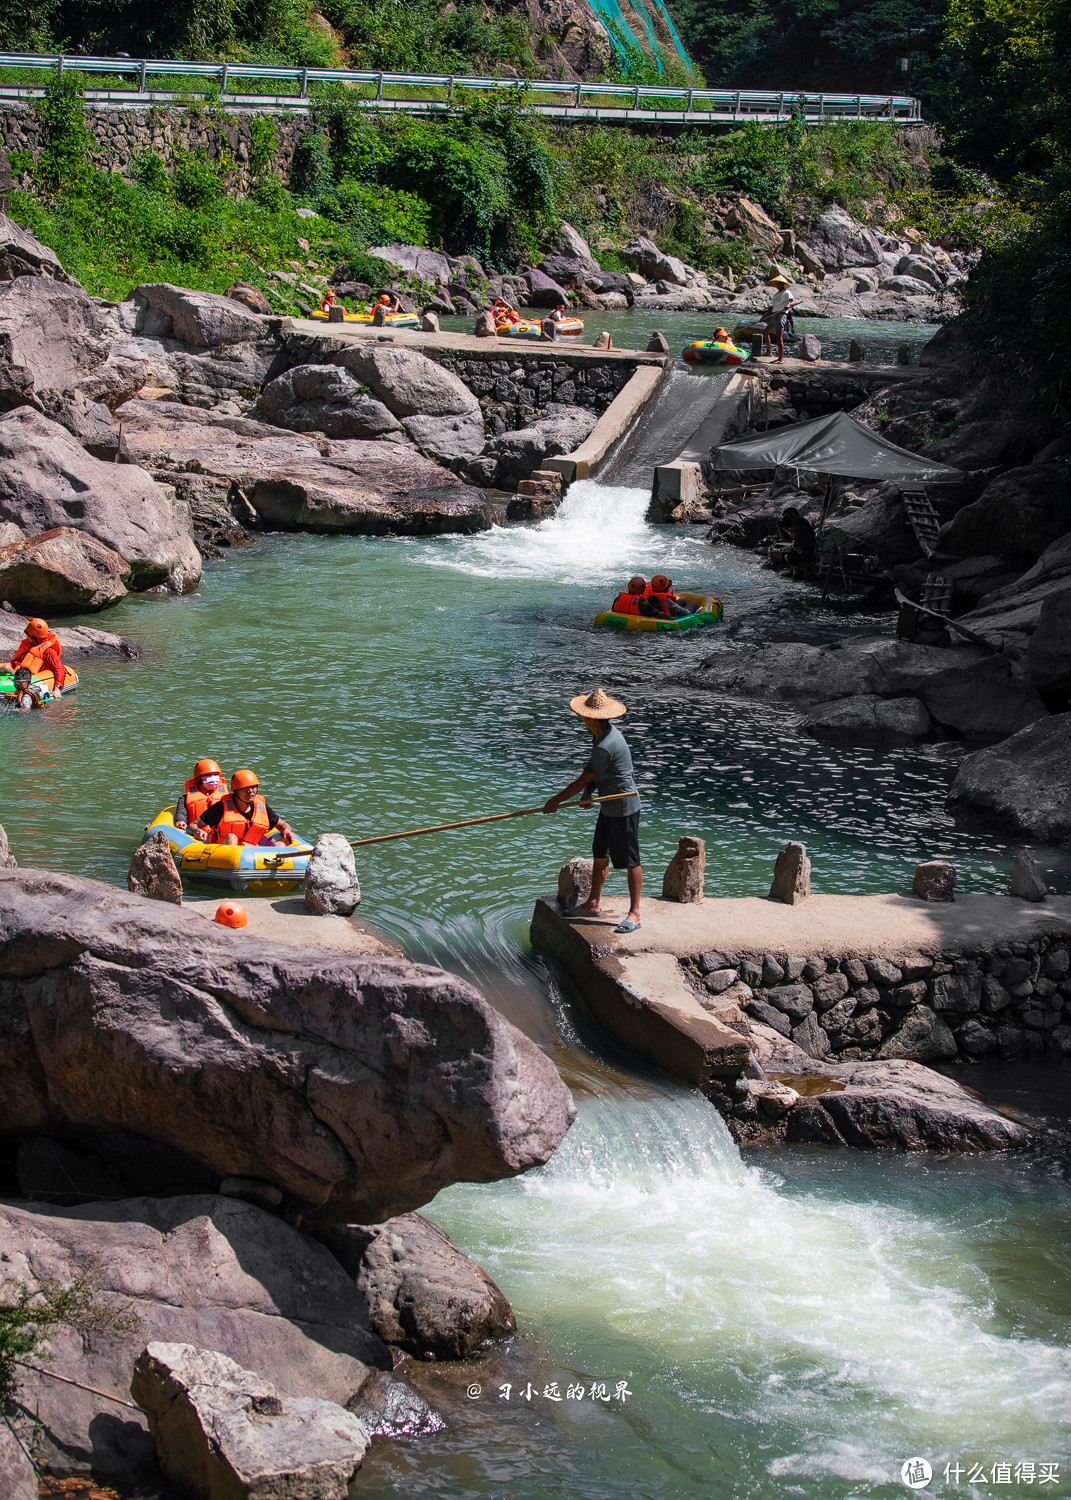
{"x": 230, "y": 914}
{"x": 384, "y": 298}
{"x": 206, "y": 768}
{"x": 637, "y": 585}
{"x": 660, "y": 583}
{"x": 244, "y": 778}
{"x": 37, "y": 628}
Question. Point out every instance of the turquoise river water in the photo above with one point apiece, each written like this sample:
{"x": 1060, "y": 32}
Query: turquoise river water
{"x": 785, "y": 1325}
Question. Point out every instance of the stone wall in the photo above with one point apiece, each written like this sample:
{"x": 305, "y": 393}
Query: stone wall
{"x": 122, "y": 133}
{"x": 1011, "y": 1000}
{"x": 511, "y": 390}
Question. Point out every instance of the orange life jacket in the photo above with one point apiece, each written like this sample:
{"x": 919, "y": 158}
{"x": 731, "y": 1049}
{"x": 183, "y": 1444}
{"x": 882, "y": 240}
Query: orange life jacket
{"x": 247, "y": 831}
{"x": 626, "y": 604}
{"x": 31, "y": 654}
{"x": 199, "y": 801}
{"x": 661, "y": 596}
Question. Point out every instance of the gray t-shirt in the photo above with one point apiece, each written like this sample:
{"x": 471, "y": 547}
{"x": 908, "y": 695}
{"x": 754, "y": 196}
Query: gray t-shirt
{"x": 611, "y": 766}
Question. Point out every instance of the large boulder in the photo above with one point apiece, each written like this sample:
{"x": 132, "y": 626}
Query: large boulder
{"x": 839, "y": 240}
{"x": 424, "y": 1295}
{"x": 755, "y": 224}
{"x": 48, "y": 480}
{"x": 323, "y": 398}
{"x": 982, "y": 699}
{"x": 61, "y": 571}
{"x": 439, "y": 413}
{"x": 18, "y": 1481}
{"x": 182, "y": 1051}
{"x": 427, "y": 265}
{"x": 368, "y": 488}
{"x": 570, "y": 242}
{"x": 222, "y": 1432}
{"x": 1009, "y": 615}
{"x": 203, "y": 319}
{"x": 1047, "y": 664}
{"x": 655, "y": 264}
{"x": 26, "y": 255}
{"x": 79, "y": 642}
{"x": 200, "y": 1267}
{"x": 1019, "y": 514}
{"x": 331, "y": 885}
{"x": 543, "y": 291}
{"x": 513, "y": 456}
{"x": 1024, "y": 782}
{"x": 879, "y": 528}
{"x": 51, "y": 337}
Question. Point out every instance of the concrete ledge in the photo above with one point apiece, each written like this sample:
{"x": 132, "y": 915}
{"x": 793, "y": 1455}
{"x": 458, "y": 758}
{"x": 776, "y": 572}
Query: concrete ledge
{"x": 641, "y": 1001}
{"x": 613, "y": 424}
{"x": 572, "y": 352}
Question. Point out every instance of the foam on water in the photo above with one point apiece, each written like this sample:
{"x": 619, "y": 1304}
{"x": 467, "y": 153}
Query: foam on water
{"x": 599, "y": 535}
{"x": 823, "y": 1335}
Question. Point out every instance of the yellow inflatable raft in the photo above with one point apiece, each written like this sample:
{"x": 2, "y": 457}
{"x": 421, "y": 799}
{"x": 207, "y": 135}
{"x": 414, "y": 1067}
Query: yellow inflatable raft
{"x": 254, "y": 869}
{"x": 708, "y": 611}
{"x": 526, "y": 328}
{"x": 392, "y": 320}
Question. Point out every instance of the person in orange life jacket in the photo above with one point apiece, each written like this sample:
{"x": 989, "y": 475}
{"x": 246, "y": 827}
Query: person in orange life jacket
{"x": 329, "y": 300}
{"x": 628, "y": 601}
{"x": 502, "y": 312}
{"x": 660, "y": 591}
{"x": 38, "y": 651}
{"x": 205, "y": 787}
{"x": 389, "y": 302}
{"x": 560, "y": 312}
{"x": 244, "y": 817}
{"x": 28, "y": 694}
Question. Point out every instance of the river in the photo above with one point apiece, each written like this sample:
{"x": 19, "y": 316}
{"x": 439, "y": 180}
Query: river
{"x": 788, "y": 1325}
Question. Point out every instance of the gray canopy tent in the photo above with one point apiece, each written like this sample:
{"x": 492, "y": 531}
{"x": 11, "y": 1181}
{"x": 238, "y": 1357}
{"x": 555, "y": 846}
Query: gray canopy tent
{"x": 836, "y": 445}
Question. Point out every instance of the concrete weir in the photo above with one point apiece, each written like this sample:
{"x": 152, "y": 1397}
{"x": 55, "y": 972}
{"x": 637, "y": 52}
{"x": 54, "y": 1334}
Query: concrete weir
{"x": 854, "y": 993}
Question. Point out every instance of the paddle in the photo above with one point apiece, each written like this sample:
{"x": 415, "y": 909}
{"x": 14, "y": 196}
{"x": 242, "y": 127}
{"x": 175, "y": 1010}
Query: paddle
{"x": 410, "y": 833}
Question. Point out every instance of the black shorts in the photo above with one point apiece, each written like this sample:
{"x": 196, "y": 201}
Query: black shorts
{"x": 618, "y": 840}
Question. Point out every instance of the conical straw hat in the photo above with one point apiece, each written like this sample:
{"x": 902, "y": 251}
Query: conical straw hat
{"x": 597, "y": 705}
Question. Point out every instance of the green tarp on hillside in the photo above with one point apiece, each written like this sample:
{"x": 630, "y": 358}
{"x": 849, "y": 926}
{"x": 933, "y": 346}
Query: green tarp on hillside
{"x": 836, "y": 444}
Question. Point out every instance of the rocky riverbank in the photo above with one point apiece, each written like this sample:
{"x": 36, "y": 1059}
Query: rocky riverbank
{"x": 178, "y": 1096}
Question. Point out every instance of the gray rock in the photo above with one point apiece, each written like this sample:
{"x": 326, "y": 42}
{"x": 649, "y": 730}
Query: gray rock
{"x": 79, "y": 642}
{"x": 323, "y": 398}
{"x": 1047, "y": 663}
{"x": 20, "y": 243}
{"x": 153, "y": 872}
{"x": 839, "y": 240}
{"x": 199, "y": 318}
{"x": 982, "y": 699}
{"x": 811, "y": 1038}
{"x": 880, "y": 527}
{"x": 543, "y": 291}
{"x": 645, "y": 255}
{"x": 428, "y": 265}
{"x": 1057, "y": 964}
{"x": 717, "y": 959}
{"x": 514, "y": 455}
{"x": 484, "y": 327}
{"x": 922, "y": 270}
{"x": 899, "y": 1105}
{"x": 223, "y": 1433}
{"x": 907, "y": 994}
{"x": 834, "y": 1021}
{"x": 18, "y": 1481}
{"x": 424, "y": 1294}
{"x": 367, "y": 1084}
{"x": 1025, "y": 781}
{"x": 975, "y": 1039}
{"x": 429, "y": 323}
{"x": 923, "y": 1037}
{"x": 769, "y": 1016}
{"x": 829, "y": 990}
{"x": 683, "y": 879}
{"x": 447, "y": 438}
{"x": 407, "y": 382}
{"x": 872, "y": 717}
{"x": 720, "y": 980}
{"x": 250, "y": 297}
{"x": 795, "y": 1000}
{"x": 810, "y": 348}
{"x": 1026, "y": 880}
{"x": 61, "y": 571}
{"x": 855, "y": 969}
{"x": 569, "y": 241}
{"x": 182, "y": 1268}
{"x": 772, "y": 970}
{"x": 48, "y": 480}
{"x": 331, "y": 885}
{"x": 1018, "y": 515}
{"x": 909, "y": 286}
{"x": 792, "y": 875}
{"x": 935, "y": 880}
{"x": 994, "y": 996}
{"x": 657, "y": 344}
{"x": 7, "y": 859}
{"x": 881, "y": 971}
{"x": 51, "y": 338}
{"x": 956, "y": 991}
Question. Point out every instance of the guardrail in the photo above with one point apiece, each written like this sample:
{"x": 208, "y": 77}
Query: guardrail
{"x": 574, "y": 101}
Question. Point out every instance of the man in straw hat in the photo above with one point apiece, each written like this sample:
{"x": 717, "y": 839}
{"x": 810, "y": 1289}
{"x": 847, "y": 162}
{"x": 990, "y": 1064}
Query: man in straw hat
{"x": 617, "y": 832}
{"x": 776, "y": 316}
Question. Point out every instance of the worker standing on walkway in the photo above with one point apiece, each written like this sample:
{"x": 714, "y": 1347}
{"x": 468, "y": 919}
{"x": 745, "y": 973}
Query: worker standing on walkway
{"x": 617, "y": 833}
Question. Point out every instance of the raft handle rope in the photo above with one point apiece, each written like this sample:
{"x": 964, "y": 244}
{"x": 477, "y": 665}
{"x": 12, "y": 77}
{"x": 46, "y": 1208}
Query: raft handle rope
{"x": 410, "y": 833}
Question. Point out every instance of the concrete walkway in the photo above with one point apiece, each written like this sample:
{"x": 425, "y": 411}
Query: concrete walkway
{"x": 568, "y": 351}
{"x": 834, "y": 926}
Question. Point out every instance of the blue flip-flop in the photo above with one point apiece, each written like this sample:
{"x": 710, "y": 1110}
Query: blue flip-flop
{"x": 627, "y": 926}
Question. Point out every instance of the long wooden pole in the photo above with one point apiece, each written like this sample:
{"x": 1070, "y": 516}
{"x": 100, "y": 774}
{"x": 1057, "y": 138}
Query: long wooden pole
{"x": 412, "y": 833}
